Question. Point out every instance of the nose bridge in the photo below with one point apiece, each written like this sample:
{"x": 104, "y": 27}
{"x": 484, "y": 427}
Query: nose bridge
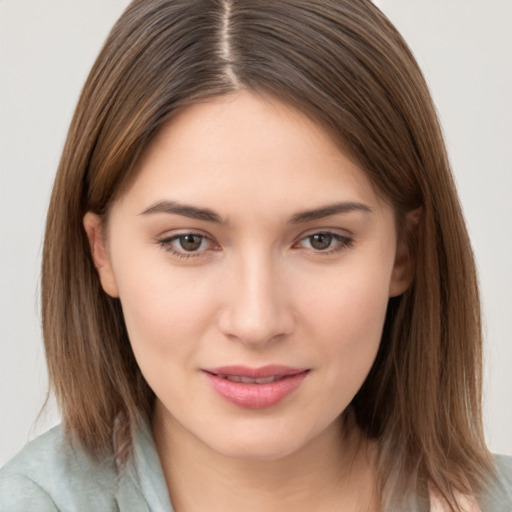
{"x": 257, "y": 308}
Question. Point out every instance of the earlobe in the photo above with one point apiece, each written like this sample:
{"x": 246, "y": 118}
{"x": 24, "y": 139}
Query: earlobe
{"x": 95, "y": 230}
{"x": 405, "y": 259}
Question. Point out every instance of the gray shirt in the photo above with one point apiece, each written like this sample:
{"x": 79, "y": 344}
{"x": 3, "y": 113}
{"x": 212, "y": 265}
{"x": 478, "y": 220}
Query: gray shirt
{"x": 50, "y": 474}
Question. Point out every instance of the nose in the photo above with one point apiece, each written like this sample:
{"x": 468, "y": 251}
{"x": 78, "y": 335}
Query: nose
{"x": 256, "y": 308}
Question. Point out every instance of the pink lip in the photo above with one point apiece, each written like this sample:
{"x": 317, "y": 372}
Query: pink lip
{"x": 254, "y": 395}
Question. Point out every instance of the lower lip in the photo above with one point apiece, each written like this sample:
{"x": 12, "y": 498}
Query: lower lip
{"x": 256, "y": 396}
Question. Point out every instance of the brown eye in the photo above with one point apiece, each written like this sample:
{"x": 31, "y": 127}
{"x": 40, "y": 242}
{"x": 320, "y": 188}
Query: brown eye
{"x": 188, "y": 245}
{"x": 190, "y": 242}
{"x": 320, "y": 241}
{"x": 324, "y": 243}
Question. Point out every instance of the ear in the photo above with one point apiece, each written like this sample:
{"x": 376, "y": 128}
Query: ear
{"x": 405, "y": 258}
{"x": 95, "y": 229}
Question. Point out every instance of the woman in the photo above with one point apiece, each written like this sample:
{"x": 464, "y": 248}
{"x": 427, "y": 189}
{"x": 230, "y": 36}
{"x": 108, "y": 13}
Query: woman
{"x": 258, "y": 289}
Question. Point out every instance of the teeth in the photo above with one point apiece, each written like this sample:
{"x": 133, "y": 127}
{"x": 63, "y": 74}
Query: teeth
{"x": 266, "y": 380}
{"x": 249, "y": 380}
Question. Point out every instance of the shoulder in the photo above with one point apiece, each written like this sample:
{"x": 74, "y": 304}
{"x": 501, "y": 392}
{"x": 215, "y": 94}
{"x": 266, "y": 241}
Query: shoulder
{"x": 504, "y": 466}
{"x": 52, "y": 474}
{"x": 498, "y": 497}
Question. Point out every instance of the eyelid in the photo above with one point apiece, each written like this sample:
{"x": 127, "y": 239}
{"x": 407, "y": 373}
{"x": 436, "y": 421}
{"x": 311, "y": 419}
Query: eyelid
{"x": 344, "y": 241}
{"x": 166, "y": 242}
{"x": 170, "y": 233}
{"x": 344, "y": 233}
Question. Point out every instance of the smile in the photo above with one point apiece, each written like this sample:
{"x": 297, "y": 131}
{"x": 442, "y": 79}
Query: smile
{"x": 249, "y": 380}
{"x": 255, "y": 388}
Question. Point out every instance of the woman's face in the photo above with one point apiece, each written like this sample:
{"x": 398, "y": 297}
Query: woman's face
{"x": 254, "y": 263}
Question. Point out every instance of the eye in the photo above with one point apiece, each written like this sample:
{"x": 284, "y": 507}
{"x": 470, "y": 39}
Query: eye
{"x": 190, "y": 242}
{"x": 325, "y": 242}
{"x": 187, "y": 245}
{"x": 320, "y": 241}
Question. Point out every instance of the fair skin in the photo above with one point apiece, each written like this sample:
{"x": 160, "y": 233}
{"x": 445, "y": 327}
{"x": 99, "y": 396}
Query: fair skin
{"x": 287, "y": 257}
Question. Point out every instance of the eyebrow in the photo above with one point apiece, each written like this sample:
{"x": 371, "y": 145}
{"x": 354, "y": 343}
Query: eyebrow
{"x": 328, "y": 211}
{"x": 193, "y": 212}
{"x": 185, "y": 210}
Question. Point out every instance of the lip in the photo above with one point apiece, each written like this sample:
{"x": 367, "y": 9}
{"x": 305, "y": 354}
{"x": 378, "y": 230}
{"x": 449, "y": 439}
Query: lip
{"x": 254, "y": 395}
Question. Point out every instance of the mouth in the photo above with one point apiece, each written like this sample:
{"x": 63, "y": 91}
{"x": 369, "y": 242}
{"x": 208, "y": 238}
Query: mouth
{"x": 255, "y": 388}
{"x": 249, "y": 380}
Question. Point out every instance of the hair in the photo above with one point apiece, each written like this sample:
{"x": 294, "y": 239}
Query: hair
{"x": 342, "y": 63}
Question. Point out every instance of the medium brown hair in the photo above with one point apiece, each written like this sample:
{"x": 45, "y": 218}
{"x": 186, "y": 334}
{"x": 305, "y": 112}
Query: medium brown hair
{"x": 342, "y": 63}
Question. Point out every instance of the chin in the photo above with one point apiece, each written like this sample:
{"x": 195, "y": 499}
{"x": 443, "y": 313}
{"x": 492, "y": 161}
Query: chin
{"x": 266, "y": 443}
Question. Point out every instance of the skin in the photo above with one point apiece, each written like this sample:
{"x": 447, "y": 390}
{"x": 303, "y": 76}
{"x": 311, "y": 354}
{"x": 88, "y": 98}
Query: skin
{"x": 258, "y": 289}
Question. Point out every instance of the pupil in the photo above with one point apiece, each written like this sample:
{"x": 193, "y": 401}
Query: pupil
{"x": 190, "y": 242}
{"x": 321, "y": 241}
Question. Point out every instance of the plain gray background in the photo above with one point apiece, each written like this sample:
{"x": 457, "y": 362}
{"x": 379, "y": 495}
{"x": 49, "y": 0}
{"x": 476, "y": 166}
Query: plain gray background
{"x": 46, "y": 50}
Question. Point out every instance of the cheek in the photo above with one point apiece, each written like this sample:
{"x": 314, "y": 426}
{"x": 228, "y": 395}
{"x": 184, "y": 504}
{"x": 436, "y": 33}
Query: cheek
{"x": 350, "y": 300}
{"x": 165, "y": 312}
{"x": 347, "y": 322}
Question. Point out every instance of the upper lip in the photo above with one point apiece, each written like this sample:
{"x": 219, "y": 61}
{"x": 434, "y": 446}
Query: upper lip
{"x": 262, "y": 372}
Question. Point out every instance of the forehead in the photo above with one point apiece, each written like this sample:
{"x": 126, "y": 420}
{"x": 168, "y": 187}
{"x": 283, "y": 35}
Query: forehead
{"x": 249, "y": 150}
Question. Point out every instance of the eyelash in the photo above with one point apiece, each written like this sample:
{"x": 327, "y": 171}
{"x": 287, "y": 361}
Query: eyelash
{"x": 167, "y": 245}
{"x": 341, "y": 243}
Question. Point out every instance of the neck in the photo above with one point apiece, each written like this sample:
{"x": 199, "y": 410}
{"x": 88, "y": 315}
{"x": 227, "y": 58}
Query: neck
{"x": 333, "y": 472}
